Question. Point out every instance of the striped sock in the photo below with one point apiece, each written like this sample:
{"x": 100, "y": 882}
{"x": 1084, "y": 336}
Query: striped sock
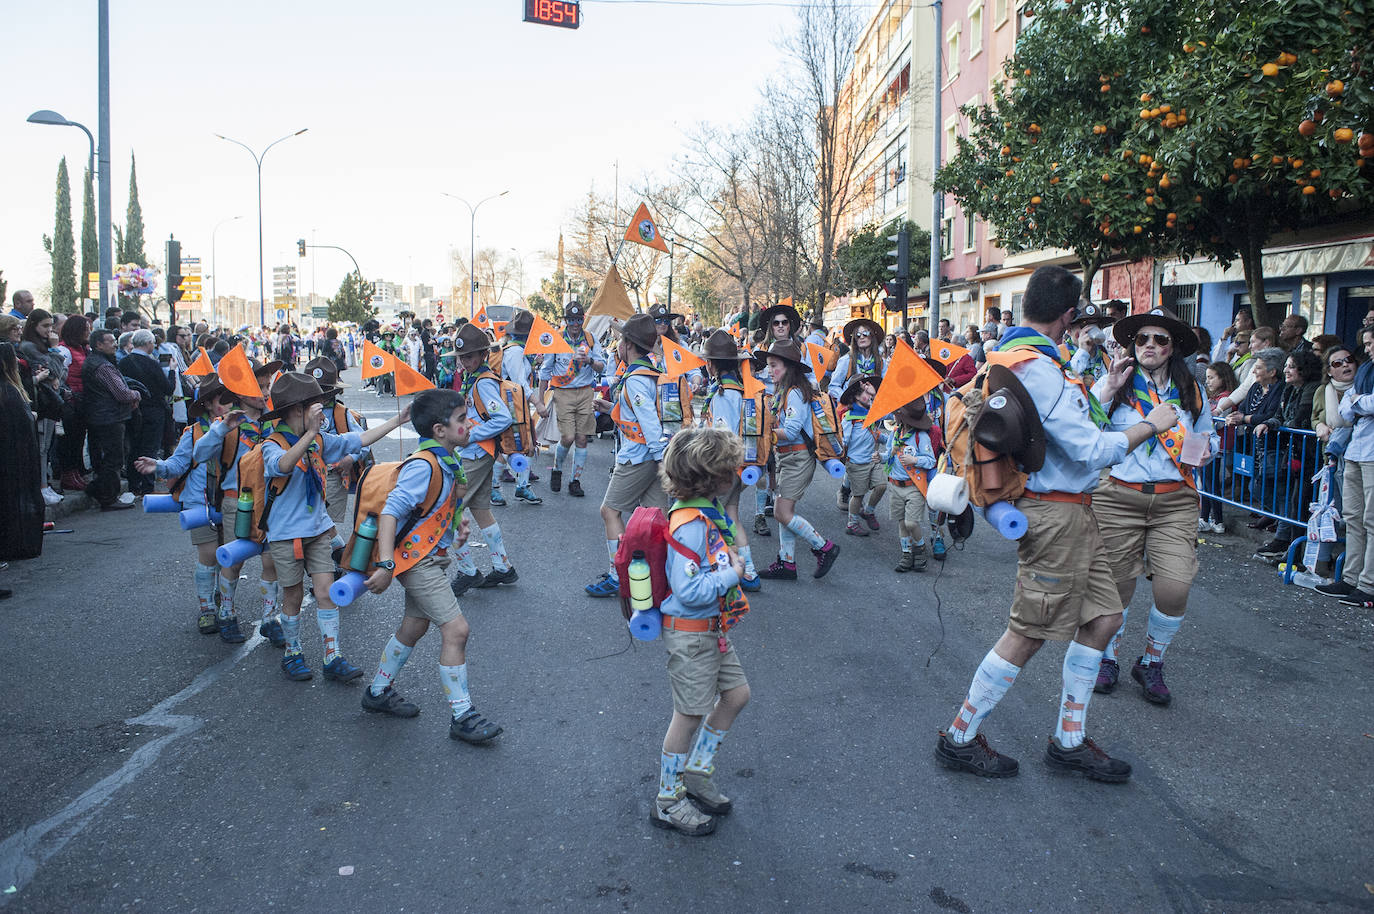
{"x": 990, "y": 684}
{"x": 1080, "y": 673}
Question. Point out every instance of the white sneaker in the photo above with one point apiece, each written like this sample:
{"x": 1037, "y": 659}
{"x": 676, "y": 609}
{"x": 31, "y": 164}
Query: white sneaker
{"x": 1203, "y": 526}
{"x": 127, "y": 498}
{"x": 50, "y": 497}
{"x": 1218, "y": 527}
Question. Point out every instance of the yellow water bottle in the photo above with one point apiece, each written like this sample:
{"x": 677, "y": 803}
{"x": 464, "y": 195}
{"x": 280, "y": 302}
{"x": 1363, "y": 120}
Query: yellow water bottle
{"x": 641, "y": 588}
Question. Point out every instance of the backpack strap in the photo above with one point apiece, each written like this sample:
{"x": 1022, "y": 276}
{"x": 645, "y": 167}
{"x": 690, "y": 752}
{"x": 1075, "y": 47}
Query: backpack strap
{"x": 676, "y": 520}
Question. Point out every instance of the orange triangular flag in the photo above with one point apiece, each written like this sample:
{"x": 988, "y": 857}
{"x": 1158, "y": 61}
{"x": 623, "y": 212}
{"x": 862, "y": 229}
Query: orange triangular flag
{"x": 946, "y": 353}
{"x": 611, "y": 297}
{"x": 236, "y": 374}
{"x": 752, "y": 385}
{"x": 479, "y": 320}
{"x": 678, "y": 360}
{"x": 408, "y": 380}
{"x": 544, "y": 339}
{"x": 1011, "y": 357}
{"x": 643, "y": 231}
{"x": 908, "y": 377}
{"x": 201, "y": 366}
{"x": 375, "y": 361}
{"x": 499, "y": 326}
{"x": 822, "y": 359}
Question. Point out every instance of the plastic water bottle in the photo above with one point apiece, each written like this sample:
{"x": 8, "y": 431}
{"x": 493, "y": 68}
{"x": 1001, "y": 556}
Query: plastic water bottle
{"x": 641, "y": 586}
{"x": 363, "y": 543}
{"x": 243, "y": 521}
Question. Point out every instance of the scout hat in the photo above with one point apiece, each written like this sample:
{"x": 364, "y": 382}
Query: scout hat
{"x": 470, "y": 339}
{"x": 787, "y": 311}
{"x": 660, "y": 312}
{"x": 1009, "y": 423}
{"x": 1185, "y": 340}
{"x": 721, "y": 345}
{"x": 267, "y": 370}
{"x": 639, "y": 330}
{"x": 1091, "y": 314}
{"x": 572, "y": 311}
{"x": 325, "y": 371}
{"x": 520, "y": 325}
{"x": 851, "y": 392}
{"x": 210, "y": 387}
{"x": 861, "y": 323}
{"x": 787, "y": 350}
{"x": 295, "y": 388}
{"x": 914, "y": 415}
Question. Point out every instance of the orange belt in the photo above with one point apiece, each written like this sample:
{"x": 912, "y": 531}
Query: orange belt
{"x": 232, "y": 494}
{"x": 1149, "y": 488}
{"x": 1068, "y": 498}
{"x": 901, "y": 483}
{"x": 789, "y": 448}
{"x": 679, "y": 624}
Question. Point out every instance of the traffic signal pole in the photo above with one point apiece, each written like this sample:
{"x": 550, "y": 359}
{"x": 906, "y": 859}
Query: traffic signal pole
{"x": 937, "y": 199}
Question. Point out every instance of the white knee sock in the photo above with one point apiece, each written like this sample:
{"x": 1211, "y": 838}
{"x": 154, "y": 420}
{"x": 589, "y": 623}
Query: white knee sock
{"x": 394, "y": 656}
{"x": 1080, "y": 673}
{"x": 990, "y": 683}
{"x": 1110, "y": 652}
{"x": 1158, "y": 633}
{"x": 455, "y": 680}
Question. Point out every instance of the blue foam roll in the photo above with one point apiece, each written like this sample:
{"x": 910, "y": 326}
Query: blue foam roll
{"x": 1006, "y": 519}
{"x": 347, "y": 588}
{"x": 199, "y": 516}
{"x": 519, "y": 463}
{"x": 161, "y": 504}
{"x": 835, "y": 468}
{"x": 646, "y": 624}
{"x": 236, "y": 551}
{"x": 750, "y": 475}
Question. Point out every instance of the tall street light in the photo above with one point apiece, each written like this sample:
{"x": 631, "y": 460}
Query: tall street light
{"x": 52, "y": 118}
{"x": 472, "y": 264}
{"x": 257, "y": 160}
{"x": 214, "y": 271}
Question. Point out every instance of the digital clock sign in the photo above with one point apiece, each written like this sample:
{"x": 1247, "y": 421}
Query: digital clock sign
{"x": 565, "y": 14}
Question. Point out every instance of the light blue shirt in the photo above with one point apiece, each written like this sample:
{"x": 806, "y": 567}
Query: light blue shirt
{"x": 697, "y": 588}
{"x": 1146, "y": 464}
{"x": 636, "y": 398}
{"x": 794, "y": 422}
{"x": 726, "y": 406}
{"x": 209, "y": 447}
{"x": 1358, "y": 410}
{"x": 839, "y": 378}
{"x": 585, "y": 376}
{"x": 292, "y": 515}
{"x": 180, "y": 461}
{"x": 515, "y": 367}
{"x": 1076, "y": 449}
{"x": 479, "y": 429}
{"x": 353, "y": 426}
{"x": 859, "y": 445}
{"x": 918, "y": 446}
{"x": 412, "y": 485}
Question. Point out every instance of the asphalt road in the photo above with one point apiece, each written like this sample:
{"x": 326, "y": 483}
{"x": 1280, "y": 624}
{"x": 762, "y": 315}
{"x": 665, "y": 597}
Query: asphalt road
{"x": 150, "y": 768}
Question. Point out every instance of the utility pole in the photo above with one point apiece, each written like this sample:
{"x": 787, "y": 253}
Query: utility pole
{"x": 937, "y": 199}
{"x": 103, "y": 129}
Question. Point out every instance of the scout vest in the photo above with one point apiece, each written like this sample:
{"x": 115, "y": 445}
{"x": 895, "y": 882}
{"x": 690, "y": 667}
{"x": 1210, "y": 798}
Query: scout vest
{"x": 427, "y": 524}
{"x": 624, "y": 420}
{"x": 214, "y": 472}
{"x": 719, "y": 537}
{"x": 755, "y": 422}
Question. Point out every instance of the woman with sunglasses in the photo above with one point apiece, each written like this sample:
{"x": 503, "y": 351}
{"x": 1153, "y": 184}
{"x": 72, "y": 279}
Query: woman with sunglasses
{"x": 1148, "y": 510}
{"x": 780, "y": 323}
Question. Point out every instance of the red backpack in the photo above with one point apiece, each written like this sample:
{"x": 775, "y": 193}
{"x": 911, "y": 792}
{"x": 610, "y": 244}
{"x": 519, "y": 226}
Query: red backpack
{"x": 647, "y": 532}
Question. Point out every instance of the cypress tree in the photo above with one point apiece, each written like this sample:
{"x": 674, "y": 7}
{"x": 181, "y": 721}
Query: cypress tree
{"x": 90, "y": 246}
{"x": 133, "y": 223}
{"x": 63, "y": 246}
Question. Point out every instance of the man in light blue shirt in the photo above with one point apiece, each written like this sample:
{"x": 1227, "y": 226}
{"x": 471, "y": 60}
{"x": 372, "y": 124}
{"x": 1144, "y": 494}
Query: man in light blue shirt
{"x": 570, "y": 378}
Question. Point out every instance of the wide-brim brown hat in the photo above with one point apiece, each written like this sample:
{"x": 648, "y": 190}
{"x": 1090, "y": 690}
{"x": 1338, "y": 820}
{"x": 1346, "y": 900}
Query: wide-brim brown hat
{"x": 914, "y": 414}
{"x": 1185, "y": 340}
{"x": 1091, "y": 314}
{"x": 787, "y": 350}
{"x": 1009, "y": 423}
{"x": 520, "y": 325}
{"x": 210, "y": 387}
{"x": 767, "y": 314}
{"x": 573, "y": 310}
{"x": 660, "y": 312}
{"x": 721, "y": 345}
{"x": 851, "y": 391}
{"x": 875, "y": 330}
{"x": 470, "y": 339}
{"x": 261, "y": 370}
{"x": 325, "y": 371}
{"x": 640, "y": 331}
{"x": 295, "y": 388}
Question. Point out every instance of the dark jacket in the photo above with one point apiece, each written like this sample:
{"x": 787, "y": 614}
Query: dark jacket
{"x": 107, "y": 399}
{"x": 144, "y": 369}
{"x": 1264, "y": 407}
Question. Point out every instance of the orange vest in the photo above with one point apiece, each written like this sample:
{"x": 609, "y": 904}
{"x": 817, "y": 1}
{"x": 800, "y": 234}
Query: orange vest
{"x": 629, "y": 428}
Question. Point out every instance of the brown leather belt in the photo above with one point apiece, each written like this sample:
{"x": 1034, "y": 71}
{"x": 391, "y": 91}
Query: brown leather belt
{"x": 901, "y": 483}
{"x": 679, "y": 624}
{"x": 1149, "y": 488}
{"x": 1068, "y": 498}
{"x": 789, "y": 448}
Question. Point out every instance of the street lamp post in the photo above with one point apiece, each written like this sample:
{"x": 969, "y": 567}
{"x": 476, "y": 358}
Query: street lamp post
{"x": 52, "y": 118}
{"x": 257, "y": 160}
{"x": 214, "y": 271}
{"x": 472, "y": 263}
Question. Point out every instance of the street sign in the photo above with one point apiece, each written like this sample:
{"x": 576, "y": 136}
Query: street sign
{"x": 319, "y": 312}
{"x": 281, "y": 314}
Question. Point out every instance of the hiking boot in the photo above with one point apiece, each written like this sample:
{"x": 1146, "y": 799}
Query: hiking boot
{"x": 679, "y": 814}
{"x": 907, "y": 563}
{"x": 575, "y": 488}
{"x": 825, "y": 558}
{"x": 293, "y": 665}
{"x": 230, "y": 631}
{"x": 497, "y": 499}
{"x": 854, "y": 528}
{"x": 555, "y": 480}
{"x": 780, "y": 571}
{"x": 761, "y": 526}
{"x": 272, "y": 631}
{"x": 472, "y": 727}
{"x": 1335, "y": 589}
{"x": 495, "y": 577}
{"x": 526, "y": 494}
{"x": 975, "y": 757}
{"x": 702, "y": 791}
{"x": 842, "y": 499}
{"x": 1108, "y": 672}
{"x": 918, "y": 558}
{"x": 389, "y": 702}
{"x": 1151, "y": 680}
{"x": 507, "y": 475}
{"x": 207, "y": 623}
{"x": 606, "y": 586}
{"x": 937, "y": 548}
{"x": 1358, "y": 598}
{"x": 1090, "y": 760}
{"x": 871, "y": 520}
{"x": 750, "y": 585}
{"x": 465, "y": 582}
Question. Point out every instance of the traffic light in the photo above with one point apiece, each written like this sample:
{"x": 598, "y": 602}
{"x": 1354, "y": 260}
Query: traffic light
{"x": 300, "y": 246}
{"x": 896, "y": 295}
{"x": 173, "y": 271}
{"x": 901, "y": 267}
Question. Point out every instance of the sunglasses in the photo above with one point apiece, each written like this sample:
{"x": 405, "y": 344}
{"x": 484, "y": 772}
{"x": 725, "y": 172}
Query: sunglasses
{"x": 1340, "y": 363}
{"x": 662, "y": 320}
{"x": 782, "y": 322}
{"x": 1160, "y": 339}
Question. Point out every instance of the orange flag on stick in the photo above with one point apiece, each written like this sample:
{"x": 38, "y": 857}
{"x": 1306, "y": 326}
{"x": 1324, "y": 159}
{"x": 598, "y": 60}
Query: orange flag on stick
{"x": 643, "y": 231}
{"x": 544, "y": 339}
{"x": 236, "y": 374}
{"x": 408, "y": 380}
{"x": 908, "y": 377}
{"x": 375, "y": 361}
{"x": 678, "y": 360}
{"x": 201, "y": 366}
{"x": 752, "y": 385}
{"x": 946, "y": 353}
{"x": 479, "y": 320}
{"x": 499, "y": 326}
{"x": 822, "y": 359}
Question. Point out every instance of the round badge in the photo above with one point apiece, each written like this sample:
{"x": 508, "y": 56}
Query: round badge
{"x": 1157, "y": 311}
{"x": 317, "y": 372}
{"x": 376, "y": 361}
{"x": 545, "y": 339}
{"x": 458, "y": 343}
{"x": 646, "y": 230}
{"x": 944, "y": 352}
{"x": 997, "y": 402}
{"x": 677, "y": 356}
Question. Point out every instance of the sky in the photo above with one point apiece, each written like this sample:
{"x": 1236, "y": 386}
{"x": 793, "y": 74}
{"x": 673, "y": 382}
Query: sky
{"x": 402, "y": 101}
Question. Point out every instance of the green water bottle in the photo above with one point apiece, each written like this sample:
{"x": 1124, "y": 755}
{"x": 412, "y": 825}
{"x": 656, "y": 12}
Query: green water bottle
{"x": 641, "y": 588}
{"x": 364, "y": 540}
{"x": 243, "y": 521}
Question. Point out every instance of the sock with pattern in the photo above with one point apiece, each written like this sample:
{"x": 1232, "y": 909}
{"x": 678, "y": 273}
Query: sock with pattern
{"x": 612, "y": 547}
{"x": 291, "y": 629}
{"x": 455, "y": 680}
{"x": 787, "y": 543}
{"x": 464, "y": 561}
{"x": 1110, "y": 652}
{"x": 394, "y": 656}
{"x": 906, "y": 543}
{"x": 271, "y": 599}
{"x": 990, "y": 683}
{"x": 522, "y": 479}
{"x": 205, "y": 587}
{"x": 496, "y": 545}
{"x": 579, "y": 461}
{"x": 705, "y": 749}
{"x": 760, "y": 500}
{"x": 670, "y": 786}
{"x": 853, "y": 518}
{"x": 747, "y": 553}
{"x": 1159, "y": 631}
{"x": 1080, "y": 674}
{"x": 327, "y": 617}
{"x": 227, "y": 588}
{"x": 560, "y": 457}
{"x": 802, "y": 527}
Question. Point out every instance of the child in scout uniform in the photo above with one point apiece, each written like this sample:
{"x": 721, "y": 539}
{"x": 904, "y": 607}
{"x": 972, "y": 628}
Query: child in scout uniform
{"x": 863, "y": 470}
{"x": 342, "y": 476}
{"x": 633, "y": 405}
{"x": 910, "y": 461}
{"x": 299, "y": 530}
{"x": 488, "y": 417}
{"x": 1086, "y": 339}
{"x": 796, "y": 463}
{"x": 708, "y": 683}
{"x": 777, "y": 323}
{"x": 725, "y": 411}
{"x": 865, "y": 357}
{"x": 515, "y": 367}
{"x": 571, "y": 379}
{"x": 1148, "y": 509}
{"x": 419, "y": 561}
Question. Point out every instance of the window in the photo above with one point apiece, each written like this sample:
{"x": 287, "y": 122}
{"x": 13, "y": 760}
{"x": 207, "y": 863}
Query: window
{"x": 1182, "y": 300}
{"x": 975, "y": 29}
{"x": 952, "y": 54}
{"x": 1023, "y": 21}
{"x": 951, "y": 137}
{"x": 1016, "y": 307}
{"x": 999, "y": 13}
{"x": 970, "y": 231}
{"x": 892, "y": 176}
{"x": 947, "y": 237}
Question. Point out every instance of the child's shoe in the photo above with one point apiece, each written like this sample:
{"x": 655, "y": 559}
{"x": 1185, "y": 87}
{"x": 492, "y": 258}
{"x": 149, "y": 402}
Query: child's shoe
{"x": 872, "y": 521}
{"x": 230, "y": 632}
{"x": 294, "y": 666}
{"x": 208, "y": 622}
{"x": 271, "y": 630}
{"x": 761, "y": 526}
{"x": 526, "y": 494}
{"x": 937, "y": 548}
{"x": 702, "y": 791}
{"x": 750, "y": 585}
{"x": 497, "y": 499}
{"x": 472, "y": 727}
{"x": 780, "y": 571}
{"x": 907, "y": 563}
{"x": 340, "y": 670}
{"x": 825, "y": 558}
{"x": 681, "y": 815}
{"x": 854, "y": 528}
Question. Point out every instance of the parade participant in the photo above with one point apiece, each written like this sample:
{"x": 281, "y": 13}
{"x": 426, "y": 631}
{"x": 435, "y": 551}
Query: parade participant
{"x": 572, "y": 381}
{"x": 796, "y": 463}
{"x": 488, "y": 417}
{"x": 708, "y": 684}
{"x": 909, "y": 462}
{"x": 776, "y": 323}
{"x": 440, "y": 419}
{"x": 1148, "y": 511}
{"x": 863, "y": 474}
{"x": 680, "y": 387}
{"x": 299, "y": 531}
{"x": 633, "y": 404}
{"x": 865, "y": 357}
{"x": 725, "y": 411}
{"x": 515, "y": 367}
{"x": 341, "y": 477}
{"x": 1086, "y": 337}
{"x": 817, "y": 335}
{"x": 1064, "y": 587}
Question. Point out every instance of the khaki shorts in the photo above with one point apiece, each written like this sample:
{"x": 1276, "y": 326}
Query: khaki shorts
{"x": 1148, "y": 534}
{"x": 907, "y": 506}
{"x": 318, "y": 559}
{"x": 478, "y": 472}
{"x": 428, "y": 592}
{"x": 698, "y": 671}
{"x": 576, "y": 415}
{"x": 335, "y": 496}
{"x": 863, "y": 477}
{"x": 794, "y": 474}
{"x": 632, "y": 485}
{"x": 211, "y": 533}
{"x": 1063, "y": 578}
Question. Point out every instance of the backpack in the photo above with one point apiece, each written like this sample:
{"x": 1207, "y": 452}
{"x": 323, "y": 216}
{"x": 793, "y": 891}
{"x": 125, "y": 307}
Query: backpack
{"x": 376, "y": 483}
{"x": 970, "y": 461}
{"x": 518, "y": 437}
{"x": 341, "y": 414}
{"x": 647, "y": 532}
{"x": 495, "y": 355}
{"x": 827, "y": 438}
{"x": 755, "y": 426}
{"x": 675, "y": 401}
{"x": 253, "y": 479}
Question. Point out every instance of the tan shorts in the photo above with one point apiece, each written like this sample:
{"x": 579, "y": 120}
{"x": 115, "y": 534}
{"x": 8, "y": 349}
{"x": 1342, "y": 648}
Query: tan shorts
{"x": 478, "y": 472}
{"x": 1063, "y": 578}
{"x": 318, "y": 559}
{"x": 794, "y": 474}
{"x": 335, "y": 496}
{"x": 698, "y": 671}
{"x": 863, "y": 477}
{"x": 202, "y": 536}
{"x": 1148, "y": 534}
{"x": 428, "y": 592}
{"x": 576, "y": 415}
{"x": 632, "y": 485}
{"x": 907, "y": 506}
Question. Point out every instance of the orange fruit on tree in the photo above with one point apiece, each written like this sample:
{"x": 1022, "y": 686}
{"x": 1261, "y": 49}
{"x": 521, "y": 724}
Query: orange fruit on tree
{"x": 1054, "y": 180}
{"x": 1106, "y": 177}
{"x": 1164, "y": 182}
{"x": 1343, "y": 135}
{"x": 1335, "y": 87}
{"x": 1309, "y": 190}
{"x": 1307, "y": 127}
{"x": 1144, "y": 96}
{"x": 1166, "y": 108}
{"x": 1276, "y": 160}
{"x": 1233, "y": 177}
{"x": 1270, "y": 69}
{"x": 1315, "y": 173}
{"x": 1035, "y": 200}
{"x": 1106, "y": 87}
{"x": 1144, "y": 114}
{"x": 1136, "y": 230}
{"x": 1297, "y": 163}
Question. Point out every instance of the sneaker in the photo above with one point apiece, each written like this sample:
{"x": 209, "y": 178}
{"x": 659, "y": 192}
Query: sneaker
{"x": 495, "y": 577}
{"x": 750, "y": 585}
{"x": 768, "y": 506}
{"x": 465, "y": 582}
{"x": 825, "y": 558}
{"x": 117, "y": 506}
{"x": 680, "y": 814}
{"x": 906, "y": 563}
{"x": 555, "y": 480}
{"x": 230, "y": 631}
{"x": 702, "y": 791}
{"x": 937, "y": 549}
{"x": 1090, "y": 760}
{"x": 1108, "y": 672}
{"x": 293, "y": 665}
{"x": 497, "y": 499}
{"x": 1217, "y": 526}
{"x": 272, "y": 631}
{"x": 606, "y": 586}
{"x": 50, "y": 497}
{"x": 780, "y": 571}
{"x": 1272, "y": 549}
{"x": 871, "y": 520}
{"x": 1203, "y": 525}
{"x": 1358, "y": 598}
{"x": 389, "y": 702}
{"x": 761, "y": 526}
{"x": 534, "y": 477}
{"x": 575, "y": 489}
{"x": 526, "y": 494}
{"x": 340, "y": 670}
{"x": 507, "y": 476}
{"x": 854, "y": 528}
{"x": 1335, "y": 589}
{"x": 207, "y": 623}
{"x": 1151, "y": 680}
{"x": 126, "y": 498}
{"x": 472, "y": 727}
{"x": 975, "y": 757}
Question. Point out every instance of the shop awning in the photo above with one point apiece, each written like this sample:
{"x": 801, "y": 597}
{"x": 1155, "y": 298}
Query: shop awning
{"x": 1305, "y": 260}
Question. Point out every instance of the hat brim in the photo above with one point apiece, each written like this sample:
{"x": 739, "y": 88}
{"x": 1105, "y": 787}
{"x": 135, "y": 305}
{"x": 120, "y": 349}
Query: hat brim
{"x": 270, "y": 368}
{"x": 1185, "y": 340}
{"x": 874, "y": 329}
{"x": 1032, "y": 458}
{"x": 767, "y": 314}
{"x": 204, "y": 394}
{"x": 323, "y": 395}
{"x": 851, "y": 390}
{"x": 1101, "y": 319}
{"x": 908, "y": 417}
